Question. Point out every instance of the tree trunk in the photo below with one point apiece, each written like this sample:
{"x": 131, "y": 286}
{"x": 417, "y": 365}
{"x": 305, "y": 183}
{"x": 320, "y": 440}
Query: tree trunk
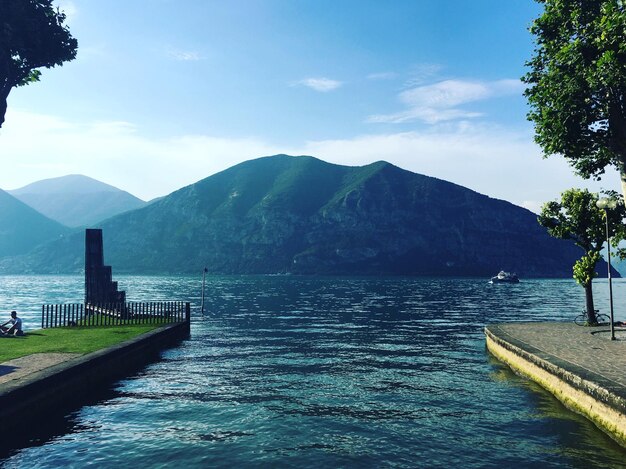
{"x": 591, "y": 312}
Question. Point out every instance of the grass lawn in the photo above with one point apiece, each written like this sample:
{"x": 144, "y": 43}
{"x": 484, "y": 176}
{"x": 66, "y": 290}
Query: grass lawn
{"x": 68, "y": 339}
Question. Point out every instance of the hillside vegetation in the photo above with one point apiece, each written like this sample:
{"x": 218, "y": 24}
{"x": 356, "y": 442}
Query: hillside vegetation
{"x": 285, "y": 214}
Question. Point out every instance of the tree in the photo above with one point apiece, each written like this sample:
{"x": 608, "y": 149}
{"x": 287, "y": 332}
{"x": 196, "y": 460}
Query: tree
{"x": 577, "y": 84}
{"x": 32, "y": 35}
{"x": 577, "y": 217}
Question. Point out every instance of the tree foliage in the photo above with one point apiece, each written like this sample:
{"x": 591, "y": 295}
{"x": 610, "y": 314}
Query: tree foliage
{"x": 577, "y": 91}
{"x": 585, "y": 268}
{"x": 577, "y": 217}
{"x": 32, "y": 36}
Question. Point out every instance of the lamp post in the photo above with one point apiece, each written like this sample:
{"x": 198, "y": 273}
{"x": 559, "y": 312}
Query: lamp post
{"x": 606, "y": 204}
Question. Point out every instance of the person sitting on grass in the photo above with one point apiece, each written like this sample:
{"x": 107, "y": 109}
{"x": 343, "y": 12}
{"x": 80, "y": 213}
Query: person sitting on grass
{"x": 16, "y": 325}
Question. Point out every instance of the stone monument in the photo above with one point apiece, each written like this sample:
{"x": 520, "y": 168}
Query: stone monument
{"x": 100, "y": 289}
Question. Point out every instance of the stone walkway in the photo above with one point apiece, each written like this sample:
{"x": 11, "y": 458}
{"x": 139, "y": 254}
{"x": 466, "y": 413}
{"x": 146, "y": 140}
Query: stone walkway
{"x": 24, "y": 366}
{"x": 587, "y": 352}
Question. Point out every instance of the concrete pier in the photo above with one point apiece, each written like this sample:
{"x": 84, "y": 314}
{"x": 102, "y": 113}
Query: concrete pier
{"x": 581, "y": 366}
{"x": 33, "y": 386}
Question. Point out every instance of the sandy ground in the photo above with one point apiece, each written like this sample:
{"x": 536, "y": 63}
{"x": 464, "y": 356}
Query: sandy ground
{"x": 20, "y": 367}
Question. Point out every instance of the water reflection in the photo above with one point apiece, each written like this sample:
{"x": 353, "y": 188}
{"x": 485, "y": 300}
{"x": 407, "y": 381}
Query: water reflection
{"x": 598, "y": 449}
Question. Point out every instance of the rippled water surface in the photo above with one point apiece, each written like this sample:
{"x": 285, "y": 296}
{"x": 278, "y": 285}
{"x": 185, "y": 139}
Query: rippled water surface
{"x": 324, "y": 372}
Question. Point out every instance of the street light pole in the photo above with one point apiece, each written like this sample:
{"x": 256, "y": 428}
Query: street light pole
{"x": 605, "y": 204}
{"x": 608, "y": 250}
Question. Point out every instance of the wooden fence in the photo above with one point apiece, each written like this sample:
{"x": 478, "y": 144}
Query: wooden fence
{"x": 87, "y": 315}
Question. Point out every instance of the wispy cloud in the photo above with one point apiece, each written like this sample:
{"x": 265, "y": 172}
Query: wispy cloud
{"x": 321, "y": 84}
{"x": 441, "y": 101}
{"x": 382, "y": 76}
{"x": 421, "y": 73}
{"x": 183, "y": 55}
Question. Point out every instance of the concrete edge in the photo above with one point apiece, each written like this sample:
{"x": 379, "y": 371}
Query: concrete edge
{"x": 598, "y": 386}
{"x": 577, "y": 394}
{"x": 68, "y": 384}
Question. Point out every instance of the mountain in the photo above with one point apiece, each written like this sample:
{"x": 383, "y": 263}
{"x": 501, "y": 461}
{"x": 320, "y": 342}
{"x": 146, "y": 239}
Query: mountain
{"x": 22, "y": 228}
{"x": 618, "y": 264}
{"x": 76, "y": 200}
{"x": 284, "y": 214}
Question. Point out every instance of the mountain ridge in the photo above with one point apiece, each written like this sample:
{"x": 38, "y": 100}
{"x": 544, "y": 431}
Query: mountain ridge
{"x": 76, "y": 200}
{"x": 301, "y": 215}
{"x": 80, "y": 184}
{"x": 22, "y": 228}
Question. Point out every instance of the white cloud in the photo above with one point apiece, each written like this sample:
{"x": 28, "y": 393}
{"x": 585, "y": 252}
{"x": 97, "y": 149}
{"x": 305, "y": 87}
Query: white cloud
{"x": 183, "y": 55}
{"x": 440, "y": 101}
{"x": 445, "y": 94}
{"x": 492, "y": 160}
{"x": 321, "y": 84}
{"x": 422, "y": 72}
{"x": 382, "y": 76}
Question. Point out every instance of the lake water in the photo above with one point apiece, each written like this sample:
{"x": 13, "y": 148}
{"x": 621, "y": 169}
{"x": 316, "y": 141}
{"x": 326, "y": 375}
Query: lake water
{"x": 323, "y": 372}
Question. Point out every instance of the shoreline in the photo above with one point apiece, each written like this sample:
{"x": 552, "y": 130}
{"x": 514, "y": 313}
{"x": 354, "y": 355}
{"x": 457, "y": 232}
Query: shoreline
{"x": 69, "y": 381}
{"x": 580, "y": 366}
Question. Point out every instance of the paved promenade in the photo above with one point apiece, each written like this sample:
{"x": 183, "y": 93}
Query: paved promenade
{"x": 580, "y": 365}
{"x": 23, "y": 367}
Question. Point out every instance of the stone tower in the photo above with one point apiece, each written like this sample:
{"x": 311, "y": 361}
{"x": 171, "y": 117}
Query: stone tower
{"x": 99, "y": 285}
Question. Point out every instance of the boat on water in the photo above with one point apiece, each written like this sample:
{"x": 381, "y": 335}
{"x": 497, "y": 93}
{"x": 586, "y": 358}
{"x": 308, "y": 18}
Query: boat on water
{"x": 505, "y": 277}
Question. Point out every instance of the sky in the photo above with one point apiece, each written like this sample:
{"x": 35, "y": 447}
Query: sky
{"x": 164, "y": 93}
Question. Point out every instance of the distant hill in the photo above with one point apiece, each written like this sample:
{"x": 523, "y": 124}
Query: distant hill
{"x": 617, "y": 264}
{"x": 76, "y": 200}
{"x": 22, "y": 228}
{"x": 284, "y": 214}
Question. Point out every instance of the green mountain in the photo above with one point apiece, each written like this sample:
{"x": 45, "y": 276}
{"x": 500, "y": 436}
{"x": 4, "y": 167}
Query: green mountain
{"x": 22, "y": 228}
{"x": 284, "y": 214}
{"x": 76, "y": 200}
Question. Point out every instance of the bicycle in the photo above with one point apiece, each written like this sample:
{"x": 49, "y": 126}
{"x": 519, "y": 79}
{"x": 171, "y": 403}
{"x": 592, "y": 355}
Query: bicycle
{"x": 583, "y": 319}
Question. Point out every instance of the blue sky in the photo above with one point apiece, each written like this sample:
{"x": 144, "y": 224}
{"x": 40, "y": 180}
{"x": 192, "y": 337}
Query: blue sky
{"x": 166, "y": 92}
